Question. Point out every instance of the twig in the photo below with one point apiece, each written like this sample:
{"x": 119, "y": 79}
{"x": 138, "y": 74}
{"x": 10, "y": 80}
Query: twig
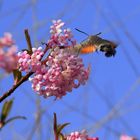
{"x": 22, "y": 80}
{"x": 27, "y": 36}
{"x": 10, "y": 91}
{"x": 55, "y": 127}
{"x": 25, "y": 78}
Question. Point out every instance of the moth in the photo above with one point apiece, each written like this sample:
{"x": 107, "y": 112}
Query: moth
{"x": 94, "y": 43}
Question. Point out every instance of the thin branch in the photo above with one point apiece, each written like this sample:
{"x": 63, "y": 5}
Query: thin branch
{"x": 55, "y": 127}
{"x": 10, "y": 91}
{"x": 27, "y": 36}
{"x": 38, "y": 119}
{"x": 115, "y": 110}
{"x": 109, "y": 104}
{"x": 22, "y": 80}
{"x": 25, "y": 78}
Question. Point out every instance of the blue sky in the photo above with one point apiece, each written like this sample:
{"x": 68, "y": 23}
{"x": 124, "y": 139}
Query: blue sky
{"x": 110, "y": 79}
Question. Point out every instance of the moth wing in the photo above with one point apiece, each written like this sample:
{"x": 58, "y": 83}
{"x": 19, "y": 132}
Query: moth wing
{"x": 113, "y": 43}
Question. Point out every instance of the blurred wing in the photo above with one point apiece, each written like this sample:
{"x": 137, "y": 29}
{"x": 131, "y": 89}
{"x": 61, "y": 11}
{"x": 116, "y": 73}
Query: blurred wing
{"x": 114, "y": 44}
{"x": 88, "y": 49}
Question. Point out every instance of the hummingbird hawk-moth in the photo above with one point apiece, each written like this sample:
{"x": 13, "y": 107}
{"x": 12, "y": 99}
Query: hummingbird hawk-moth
{"x": 95, "y": 43}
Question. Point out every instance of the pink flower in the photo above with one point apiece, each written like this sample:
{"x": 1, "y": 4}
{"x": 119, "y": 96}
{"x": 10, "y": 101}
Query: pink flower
{"x": 60, "y": 71}
{"x": 24, "y": 61}
{"x": 79, "y": 136}
{"x": 27, "y": 62}
{"x": 126, "y": 137}
{"x": 64, "y": 71}
{"x": 6, "y": 40}
{"x": 8, "y": 56}
{"x": 60, "y": 37}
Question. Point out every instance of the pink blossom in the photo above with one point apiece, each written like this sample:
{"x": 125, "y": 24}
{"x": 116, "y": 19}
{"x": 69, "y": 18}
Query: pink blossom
{"x": 126, "y": 137}
{"x": 79, "y": 136}
{"x": 6, "y": 40}
{"x": 64, "y": 71}
{"x": 8, "y": 56}
{"x": 24, "y": 61}
{"x": 30, "y": 62}
{"x": 60, "y": 37}
{"x": 8, "y": 59}
{"x": 60, "y": 71}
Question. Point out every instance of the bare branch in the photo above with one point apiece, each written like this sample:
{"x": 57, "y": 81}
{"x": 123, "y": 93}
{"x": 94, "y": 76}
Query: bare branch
{"x": 10, "y": 91}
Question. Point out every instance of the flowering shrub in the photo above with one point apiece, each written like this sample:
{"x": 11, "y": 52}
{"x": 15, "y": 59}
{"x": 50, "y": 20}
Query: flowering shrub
{"x": 52, "y": 74}
{"x": 61, "y": 71}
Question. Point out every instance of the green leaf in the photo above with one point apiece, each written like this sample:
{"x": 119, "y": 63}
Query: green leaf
{"x": 11, "y": 119}
{"x": 5, "y": 110}
{"x": 60, "y": 127}
{"x": 17, "y": 75}
{"x": 15, "y": 118}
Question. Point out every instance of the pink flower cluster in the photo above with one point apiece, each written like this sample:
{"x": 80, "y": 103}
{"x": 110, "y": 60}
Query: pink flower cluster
{"x": 79, "y": 136}
{"x": 8, "y": 56}
{"x": 30, "y": 62}
{"x": 62, "y": 70}
{"x": 126, "y": 137}
{"x": 60, "y": 37}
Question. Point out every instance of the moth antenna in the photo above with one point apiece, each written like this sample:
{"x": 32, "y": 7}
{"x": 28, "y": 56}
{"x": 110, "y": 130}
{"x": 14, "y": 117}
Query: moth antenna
{"x": 98, "y": 33}
{"x": 82, "y": 31}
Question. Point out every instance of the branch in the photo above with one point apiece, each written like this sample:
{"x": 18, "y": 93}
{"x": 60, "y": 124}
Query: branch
{"x": 55, "y": 127}
{"x": 25, "y": 78}
{"x": 22, "y": 80}
{"x": 28, "y": 39}
{"x": 10, "y": 91}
